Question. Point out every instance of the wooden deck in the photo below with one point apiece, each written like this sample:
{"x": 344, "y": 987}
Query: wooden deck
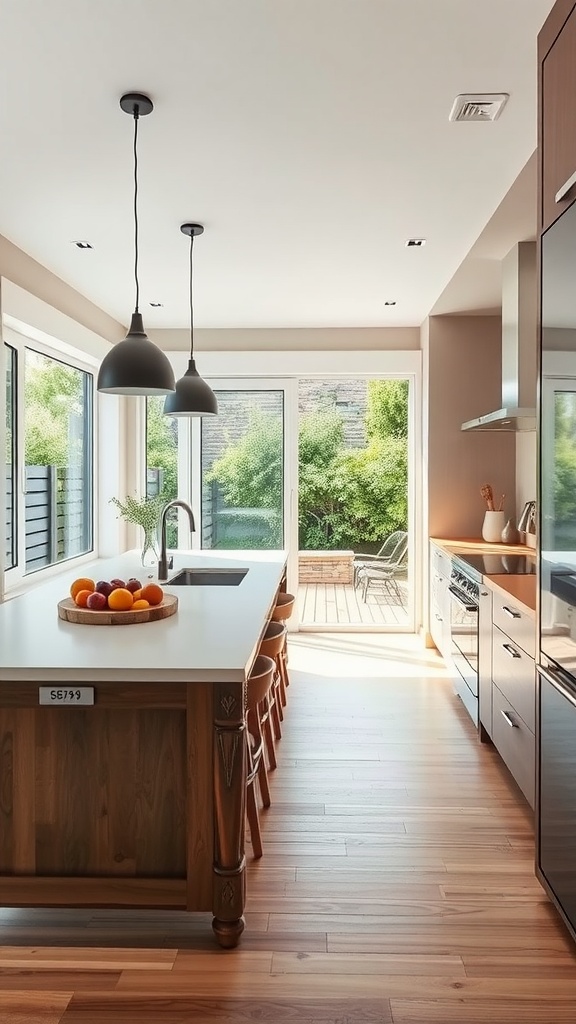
{"x": 329, "y": 604}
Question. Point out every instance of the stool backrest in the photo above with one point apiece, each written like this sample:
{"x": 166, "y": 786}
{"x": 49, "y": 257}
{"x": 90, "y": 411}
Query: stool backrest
{"x": 274, "y": 639}
{"x": 284, "y": 607}
{"x": 260, "y": 680}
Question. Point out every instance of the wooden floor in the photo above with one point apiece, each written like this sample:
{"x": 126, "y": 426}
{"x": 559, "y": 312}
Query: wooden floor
{"x": 329, "y": 604}
{"x": 396, "y": 883}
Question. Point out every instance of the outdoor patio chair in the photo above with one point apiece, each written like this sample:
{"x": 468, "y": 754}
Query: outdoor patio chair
{"x": 391, "y": 552}
{"x": 386, "y": 576}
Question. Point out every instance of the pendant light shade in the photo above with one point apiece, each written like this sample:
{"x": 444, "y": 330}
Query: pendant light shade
{"x": 193, "y": 396}
{"x": 136, "y": 366}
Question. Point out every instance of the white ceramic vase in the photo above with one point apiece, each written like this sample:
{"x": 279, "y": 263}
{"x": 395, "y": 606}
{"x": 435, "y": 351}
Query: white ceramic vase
{"x": 492, "y": 527}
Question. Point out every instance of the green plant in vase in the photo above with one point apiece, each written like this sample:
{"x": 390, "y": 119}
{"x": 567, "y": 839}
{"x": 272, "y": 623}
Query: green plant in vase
{"x": 144, "y": 512}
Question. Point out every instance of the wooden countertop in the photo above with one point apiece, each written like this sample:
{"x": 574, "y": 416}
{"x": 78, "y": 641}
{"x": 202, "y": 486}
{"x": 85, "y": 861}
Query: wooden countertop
{"x": 474, "y": 545}
{"x": 522, "y": 587}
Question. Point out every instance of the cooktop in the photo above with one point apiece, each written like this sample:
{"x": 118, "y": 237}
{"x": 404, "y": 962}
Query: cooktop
{"x": 494, "y": 564}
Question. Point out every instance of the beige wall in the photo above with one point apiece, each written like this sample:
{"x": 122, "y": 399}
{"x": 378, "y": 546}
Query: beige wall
{"x": 337, "y": 339}
{"x": 22, "y": 270}
{"x": 462, "y": 367}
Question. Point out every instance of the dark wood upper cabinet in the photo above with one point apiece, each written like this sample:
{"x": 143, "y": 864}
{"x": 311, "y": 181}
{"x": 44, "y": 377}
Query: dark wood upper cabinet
{"x": 557, "y": 111}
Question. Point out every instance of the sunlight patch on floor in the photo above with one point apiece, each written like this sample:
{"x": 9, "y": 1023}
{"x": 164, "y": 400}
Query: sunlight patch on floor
{"x": 368, "y": 655}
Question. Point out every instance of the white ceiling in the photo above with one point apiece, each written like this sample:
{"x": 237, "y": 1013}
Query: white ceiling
{"x": 477, "y": 284}
{"x": 311, "y": 137}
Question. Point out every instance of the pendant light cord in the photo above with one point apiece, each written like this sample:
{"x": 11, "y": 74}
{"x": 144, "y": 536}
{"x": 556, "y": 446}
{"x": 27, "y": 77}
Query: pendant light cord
{"x": 136, "y": 114}
{"x": 191, "y": 306}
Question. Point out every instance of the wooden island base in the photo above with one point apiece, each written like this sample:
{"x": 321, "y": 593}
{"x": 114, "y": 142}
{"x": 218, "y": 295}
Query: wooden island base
{"x": 135, "y": 802}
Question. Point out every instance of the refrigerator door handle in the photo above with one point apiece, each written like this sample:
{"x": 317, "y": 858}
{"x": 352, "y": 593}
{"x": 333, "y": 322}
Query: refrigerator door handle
{"x": 556, "y": 680}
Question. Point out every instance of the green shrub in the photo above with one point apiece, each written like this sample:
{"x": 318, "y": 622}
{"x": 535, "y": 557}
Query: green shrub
{"x": 347, "y": 497}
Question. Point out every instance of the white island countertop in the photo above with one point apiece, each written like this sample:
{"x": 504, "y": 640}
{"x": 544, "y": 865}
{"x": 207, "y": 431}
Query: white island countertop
{"x": 213, "y": 635}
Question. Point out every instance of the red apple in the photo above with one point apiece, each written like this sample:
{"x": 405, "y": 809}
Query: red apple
{"x": 133, "y": 585}
{"x": 103, "y": 587}
{"x": 97, "y": 602}
{"x": 117, "y": 583}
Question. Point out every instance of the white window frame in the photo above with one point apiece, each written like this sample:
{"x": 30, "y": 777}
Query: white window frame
{"x": 16, "y": 578}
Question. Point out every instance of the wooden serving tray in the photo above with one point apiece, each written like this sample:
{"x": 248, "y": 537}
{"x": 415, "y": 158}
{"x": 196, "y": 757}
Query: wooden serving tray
{"x": 70, "y": 612}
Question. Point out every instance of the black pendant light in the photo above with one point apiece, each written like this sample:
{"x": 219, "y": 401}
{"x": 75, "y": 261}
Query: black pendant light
{"x": 136, "y": 366}
{"x": 193, "y": 396}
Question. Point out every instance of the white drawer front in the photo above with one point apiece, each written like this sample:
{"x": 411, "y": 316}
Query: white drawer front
{"x": 515, "y": 743}
{"x": 515, "y": 675}
{"x": 441, "y": 561}
{"x": 515, "y": 622}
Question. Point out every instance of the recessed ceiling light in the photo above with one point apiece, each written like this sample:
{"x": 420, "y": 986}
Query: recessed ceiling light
{"x": 415, "y": 242}
{"x": 390, "y": 303}
{"x": 80, "y": 244}
{"x": 156, "y": 304}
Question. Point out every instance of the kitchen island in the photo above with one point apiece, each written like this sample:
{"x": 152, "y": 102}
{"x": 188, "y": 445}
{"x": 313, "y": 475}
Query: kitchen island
{"x": 138, "y": 799}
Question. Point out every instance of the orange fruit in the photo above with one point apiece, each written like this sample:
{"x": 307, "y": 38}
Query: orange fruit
{"x": 137, "y": 594}
{"x": 82, "y": 583}
{"x": 152, "y": 593}
{"x": 120, "y": 600}
{"x": 81, "y": 597}
{"x": 139, "y": 605}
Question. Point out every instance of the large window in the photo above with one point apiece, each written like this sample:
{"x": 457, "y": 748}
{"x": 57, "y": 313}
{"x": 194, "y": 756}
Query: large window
{"x": 49, "y": 458}
{"x": 242, "y": 466}
{"x": 11, "y": 493}
{"x": 162, "y": 461}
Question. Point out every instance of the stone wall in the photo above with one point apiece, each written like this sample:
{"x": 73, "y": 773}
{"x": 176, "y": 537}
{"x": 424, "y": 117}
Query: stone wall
{"x": 347, "y": 397}
{"x": 326, "y": 567}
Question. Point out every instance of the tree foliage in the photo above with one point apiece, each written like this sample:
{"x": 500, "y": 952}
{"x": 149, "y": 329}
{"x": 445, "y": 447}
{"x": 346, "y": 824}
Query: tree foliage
{"x": 162, "y": 446}
{"x": 565, "y": 462}
{"x": 250, "y": 471}
{"x": 348, "y": 497}
{"x": 387, "y": 409}
{"x": 53, "y": 397}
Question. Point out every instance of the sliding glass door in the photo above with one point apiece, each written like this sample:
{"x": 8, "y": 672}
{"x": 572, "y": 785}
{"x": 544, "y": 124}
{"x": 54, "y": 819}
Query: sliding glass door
{"x": 243, "y": 467}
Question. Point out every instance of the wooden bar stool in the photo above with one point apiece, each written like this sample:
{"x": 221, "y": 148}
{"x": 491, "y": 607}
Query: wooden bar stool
{"x": 259, "y": 683}
{"x": 272, "y": 644}
{"x": 281, "y": 613}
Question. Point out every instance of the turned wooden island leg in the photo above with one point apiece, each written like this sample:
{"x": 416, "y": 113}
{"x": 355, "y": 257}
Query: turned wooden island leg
{"x": 229, "y": 882}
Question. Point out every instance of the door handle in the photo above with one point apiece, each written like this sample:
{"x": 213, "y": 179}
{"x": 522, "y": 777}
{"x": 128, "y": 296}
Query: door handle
{"x": 554, "y": 679}
{"x": 565, "y": 188}
{"x": 508, "y": 719}
{"x": 511, "y": 651}
{"x": 511, "y": 612}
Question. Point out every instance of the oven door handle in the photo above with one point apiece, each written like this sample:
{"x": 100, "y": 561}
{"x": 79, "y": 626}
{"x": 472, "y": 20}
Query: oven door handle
{"x": 465, "y": 604}
{"x": 557, "y": 682}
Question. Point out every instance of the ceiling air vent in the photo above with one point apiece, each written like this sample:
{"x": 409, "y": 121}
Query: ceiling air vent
{"x": 481, "y": 106}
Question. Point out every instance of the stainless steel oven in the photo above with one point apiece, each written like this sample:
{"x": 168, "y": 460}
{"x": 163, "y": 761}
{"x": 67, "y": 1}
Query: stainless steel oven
{"x": 464, "y": 593}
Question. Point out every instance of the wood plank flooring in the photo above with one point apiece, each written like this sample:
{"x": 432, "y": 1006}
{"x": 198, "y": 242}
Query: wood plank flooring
{"x": 396, "y": 886}
{"x": 331, "y": 604}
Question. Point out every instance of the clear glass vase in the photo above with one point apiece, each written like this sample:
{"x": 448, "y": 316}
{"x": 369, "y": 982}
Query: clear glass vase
{"x": 150, "y": 551}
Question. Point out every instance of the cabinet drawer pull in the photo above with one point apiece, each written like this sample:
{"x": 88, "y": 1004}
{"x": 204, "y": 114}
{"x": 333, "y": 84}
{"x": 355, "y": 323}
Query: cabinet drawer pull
{"x": 508, "y": 719}
{"x": 511, "y": 651}
{"x": 511, "y": 612}
{"x": 439, "y": 617}
{"x": 565, "y": 188}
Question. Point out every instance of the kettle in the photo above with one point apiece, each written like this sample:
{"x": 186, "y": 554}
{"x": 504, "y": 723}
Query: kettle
{"x": 527, "y": 524}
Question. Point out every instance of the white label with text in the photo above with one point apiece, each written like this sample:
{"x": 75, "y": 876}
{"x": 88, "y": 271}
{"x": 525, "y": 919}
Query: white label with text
{"x": 67, "y": 695}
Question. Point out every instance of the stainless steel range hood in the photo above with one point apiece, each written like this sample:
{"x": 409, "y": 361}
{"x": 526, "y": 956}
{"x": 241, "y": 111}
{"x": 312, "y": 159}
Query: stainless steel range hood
{"x": 519, "y": 345}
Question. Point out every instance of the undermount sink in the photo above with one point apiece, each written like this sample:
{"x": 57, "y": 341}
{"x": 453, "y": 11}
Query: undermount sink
{"x": 208, "y": 578}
